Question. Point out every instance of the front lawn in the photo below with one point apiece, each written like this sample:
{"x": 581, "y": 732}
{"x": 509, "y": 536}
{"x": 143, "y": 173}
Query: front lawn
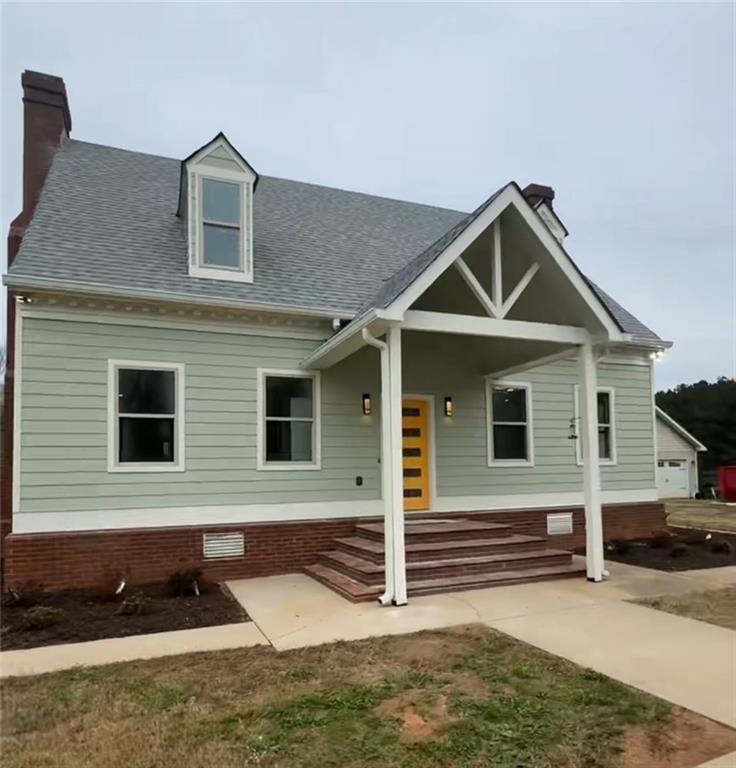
{"x": 701, "y": 513}
{"x": 716, "y": 606}
{"x": 467, "y": 697}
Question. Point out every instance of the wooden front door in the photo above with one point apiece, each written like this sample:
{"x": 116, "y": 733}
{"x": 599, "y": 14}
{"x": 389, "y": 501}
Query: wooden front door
{"x": 414, "y": 424}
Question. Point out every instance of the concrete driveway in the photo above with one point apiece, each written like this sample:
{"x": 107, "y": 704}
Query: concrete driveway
{"x": 687, "y": 662}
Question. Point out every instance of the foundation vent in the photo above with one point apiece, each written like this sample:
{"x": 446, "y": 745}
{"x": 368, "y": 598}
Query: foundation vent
{"x": 216, "y": 546}
{"x": 559, "y": 524}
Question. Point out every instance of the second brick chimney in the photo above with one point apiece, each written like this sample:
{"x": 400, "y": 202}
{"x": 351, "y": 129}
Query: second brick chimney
{"x": 46, "y": 123}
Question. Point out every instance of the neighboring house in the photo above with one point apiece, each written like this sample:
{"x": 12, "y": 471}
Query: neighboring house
{"x": 677, "y": 459}
{"x": 215, "y": 368}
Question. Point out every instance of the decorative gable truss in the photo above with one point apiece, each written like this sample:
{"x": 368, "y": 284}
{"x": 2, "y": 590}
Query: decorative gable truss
{"x": 216, "y": 202}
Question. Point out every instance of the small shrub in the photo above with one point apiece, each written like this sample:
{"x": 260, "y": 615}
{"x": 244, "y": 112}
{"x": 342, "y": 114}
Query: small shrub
{"x": 620, "y": 546}
{"x": 136, "y": 605}
{"x": 42, "y": 616}
{"x": 721, "y": 547}
{"x": 26, "y": 594}
{"x": 679, "y": 549}
{"x": 184, "y": 583}
{"x": 660, "y": 540}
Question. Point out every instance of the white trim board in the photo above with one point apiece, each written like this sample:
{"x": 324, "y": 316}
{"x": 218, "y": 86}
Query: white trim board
{"x": 17, "y": 412}
{"x": 158, "y": 517}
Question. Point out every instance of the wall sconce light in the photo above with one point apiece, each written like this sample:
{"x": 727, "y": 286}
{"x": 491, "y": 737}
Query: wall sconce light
{"x": 367, "y": 407}
{"x": 449, "y": 409}
{"x": 573, "y": 433}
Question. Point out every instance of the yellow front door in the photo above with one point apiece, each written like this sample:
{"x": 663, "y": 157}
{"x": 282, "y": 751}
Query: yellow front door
{"x": 414, "y": 445}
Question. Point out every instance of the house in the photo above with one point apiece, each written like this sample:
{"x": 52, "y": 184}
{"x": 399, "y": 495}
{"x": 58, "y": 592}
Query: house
{"x": 677, "y": 459}
{"x": 212, "y": 367}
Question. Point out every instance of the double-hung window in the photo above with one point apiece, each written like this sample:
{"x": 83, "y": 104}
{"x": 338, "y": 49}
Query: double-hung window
{"x": 146, "y": 431}
{"x": 606, "y": 426}
{"x": 289, "y": 420}
{"x": 509, "y": 407}
{"x": 222, "y": 224}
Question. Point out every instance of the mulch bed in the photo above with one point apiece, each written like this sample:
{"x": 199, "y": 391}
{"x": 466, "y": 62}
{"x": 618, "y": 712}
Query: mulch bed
{"x": 87, "y": 616}
{"x": 683, "y": 550}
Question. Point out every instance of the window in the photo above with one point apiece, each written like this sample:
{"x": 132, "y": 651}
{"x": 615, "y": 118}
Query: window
{"x": 221, "y": 224}
{"x": 606, "y": 426}
{"x": 509, "y": 423}
{"x": 289, "y": 429}
{"x": 145, "y": 417}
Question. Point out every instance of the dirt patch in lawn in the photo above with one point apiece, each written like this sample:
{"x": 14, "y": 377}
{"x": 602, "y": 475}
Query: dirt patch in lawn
{"x": 676, "y": 549}
{"x": 689, "y": 740}
{"x": 484, "y": 700}
{"x": 715, "y": 606}
{"x": 80, "y": 615}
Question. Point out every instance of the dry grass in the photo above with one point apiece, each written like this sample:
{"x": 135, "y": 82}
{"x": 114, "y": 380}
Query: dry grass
{"x": 467, "y": 697}
{"x": 702, "y": 514}
{"x": 716, "y": 606}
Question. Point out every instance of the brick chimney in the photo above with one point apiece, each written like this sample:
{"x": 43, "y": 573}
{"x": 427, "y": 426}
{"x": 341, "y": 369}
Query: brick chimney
{"x": 536, "y": 193}
{"x": 46, "y": 123}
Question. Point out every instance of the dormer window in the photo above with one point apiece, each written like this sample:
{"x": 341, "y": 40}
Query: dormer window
{"x": 221, "y": 224}
{"x": 216, "y": 201}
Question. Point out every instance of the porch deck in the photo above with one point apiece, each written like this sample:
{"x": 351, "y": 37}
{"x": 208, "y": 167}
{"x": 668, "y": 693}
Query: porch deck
{"x": 441, "y": 556}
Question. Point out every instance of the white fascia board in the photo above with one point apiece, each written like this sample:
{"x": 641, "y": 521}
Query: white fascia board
{"x": 112, "y": 292}
{"x": 222, "y": 141}
{"x": 442, "y": 322}
{"x": 670, "y": 422}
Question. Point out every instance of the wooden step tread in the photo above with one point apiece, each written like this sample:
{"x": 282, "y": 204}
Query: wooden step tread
{"x": 357, "y": 591}
{"x": 435, "y": 527}
{"x": 375, "y": 547}
{"x": 370, "y": 567}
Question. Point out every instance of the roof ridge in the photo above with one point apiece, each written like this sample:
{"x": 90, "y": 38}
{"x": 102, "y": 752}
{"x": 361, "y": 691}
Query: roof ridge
{"x": 283, "y": 178}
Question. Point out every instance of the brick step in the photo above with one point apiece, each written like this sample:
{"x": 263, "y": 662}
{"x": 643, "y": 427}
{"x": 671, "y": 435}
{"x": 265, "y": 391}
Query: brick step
{"x": 372, "y": 549}
{"x": 438, "y": 530}
{"x": 371, "y": 572}
{"x": 356, "y": 591}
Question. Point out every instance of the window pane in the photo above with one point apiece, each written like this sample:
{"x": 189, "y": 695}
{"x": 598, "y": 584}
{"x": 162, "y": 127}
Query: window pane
{"x": 220, "y": 201}
{"x": 146, "y": 440}
{"x": 289, "y": 441}
{"x": 221, "y": 246}
{"x": 509, "y": 442}
{"x": 509, "y": 404}
{"x": 144, "y": 391}
{"x": 604, "y": 442}
{"x": 289, "y": 396}
{"x": 604, "y": 408}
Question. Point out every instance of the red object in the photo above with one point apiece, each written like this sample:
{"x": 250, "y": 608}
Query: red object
{"x": 727, "y": 483}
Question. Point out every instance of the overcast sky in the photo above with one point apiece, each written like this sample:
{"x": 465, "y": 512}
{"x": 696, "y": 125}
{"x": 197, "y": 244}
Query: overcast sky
{"x": 628, "y": 111}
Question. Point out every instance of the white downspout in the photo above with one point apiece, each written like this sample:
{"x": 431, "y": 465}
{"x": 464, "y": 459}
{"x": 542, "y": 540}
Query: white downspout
{"x": 388, "y": 530}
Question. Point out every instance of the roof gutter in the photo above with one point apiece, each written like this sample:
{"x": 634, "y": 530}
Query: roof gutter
{"x": 100, "y": 290}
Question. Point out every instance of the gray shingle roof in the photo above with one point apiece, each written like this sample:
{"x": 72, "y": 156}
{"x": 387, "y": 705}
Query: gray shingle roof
{"x": 107, "y": 218}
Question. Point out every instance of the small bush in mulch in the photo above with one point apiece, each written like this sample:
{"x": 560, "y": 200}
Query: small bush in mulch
{"x": 621, "y": 546}
{"x": 679, "y": 549}
{"x": 26, "y": 594}
{"x": 41, "y": 617}
{"x": 721, "y": 547}
{"x": 89, "y": 614}
{"x": 136, "y": 605}
{"x": 661, "y": 540}
{"x": 185, "y": 582}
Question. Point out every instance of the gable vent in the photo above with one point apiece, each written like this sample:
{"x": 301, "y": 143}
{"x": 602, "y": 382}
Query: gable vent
{"x": 220, "y": 545}
{"x": 559, "y": 524}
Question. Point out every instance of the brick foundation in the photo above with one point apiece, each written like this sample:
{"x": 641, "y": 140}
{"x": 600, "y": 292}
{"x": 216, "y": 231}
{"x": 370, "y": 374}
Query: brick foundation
{"x": 61, "y": 560}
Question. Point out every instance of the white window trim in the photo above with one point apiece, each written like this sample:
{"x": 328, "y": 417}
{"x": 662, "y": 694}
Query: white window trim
{"x": 612, "y": 407}
{"x": 198, "y": 268}
{"x": 288, "y": 466}
{"x": 527, "y": 387}
{"x": 113, "y": 465}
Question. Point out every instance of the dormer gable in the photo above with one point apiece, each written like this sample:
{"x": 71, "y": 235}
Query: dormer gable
{"x": 216, "y": 203}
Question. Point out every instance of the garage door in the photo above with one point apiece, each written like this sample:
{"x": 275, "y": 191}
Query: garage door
{"x": 673, "y": 479}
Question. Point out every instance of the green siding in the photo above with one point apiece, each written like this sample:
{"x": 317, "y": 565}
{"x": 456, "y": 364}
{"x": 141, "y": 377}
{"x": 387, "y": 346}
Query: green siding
{"x": 64, "y": 422}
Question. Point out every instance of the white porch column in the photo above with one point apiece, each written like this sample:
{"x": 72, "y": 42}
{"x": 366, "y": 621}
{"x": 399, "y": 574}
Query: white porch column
{"x": 397, "y": 469}
{"x": 591, "y": 462}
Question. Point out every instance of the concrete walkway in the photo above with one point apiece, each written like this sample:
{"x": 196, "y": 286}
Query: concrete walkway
{"x": 51, "y": 658}
{"x": 688, "y": 662}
